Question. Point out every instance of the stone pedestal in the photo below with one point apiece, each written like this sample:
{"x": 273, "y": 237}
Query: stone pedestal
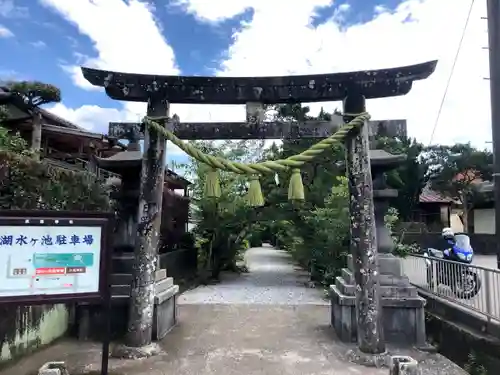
{"x": 403, "y": 309}
{"x": 90, "y": 320}
{"x": 165, "y": 310}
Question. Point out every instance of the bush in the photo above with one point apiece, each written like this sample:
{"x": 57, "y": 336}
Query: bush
{"x": 187, "y": 241}
{"x": 319, "y": 239}
{"x": 391, "y": 220}
{"x": 329, "y": 244}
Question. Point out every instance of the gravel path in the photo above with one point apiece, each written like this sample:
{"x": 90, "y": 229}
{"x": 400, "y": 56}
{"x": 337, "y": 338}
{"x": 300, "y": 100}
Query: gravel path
{"x": 272, "y": 279}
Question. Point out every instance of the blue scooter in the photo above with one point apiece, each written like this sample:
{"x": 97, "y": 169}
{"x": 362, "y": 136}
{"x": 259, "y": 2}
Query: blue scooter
{"x": 463, "y": 281}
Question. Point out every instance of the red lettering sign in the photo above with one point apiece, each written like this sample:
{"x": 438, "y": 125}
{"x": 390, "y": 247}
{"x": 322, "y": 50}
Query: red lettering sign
{"x": 50, "y": 271}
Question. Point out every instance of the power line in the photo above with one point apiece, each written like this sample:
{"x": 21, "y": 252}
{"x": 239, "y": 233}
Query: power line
{"x": 451, "y": 72}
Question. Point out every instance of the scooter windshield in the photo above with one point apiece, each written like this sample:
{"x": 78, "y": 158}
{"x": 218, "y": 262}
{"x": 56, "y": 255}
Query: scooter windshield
{"x": 462, "y": 241}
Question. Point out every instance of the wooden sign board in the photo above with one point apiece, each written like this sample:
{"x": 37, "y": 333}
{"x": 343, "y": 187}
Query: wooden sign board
{"x": 53, "y": 256}
{"x": 263, "y": 130}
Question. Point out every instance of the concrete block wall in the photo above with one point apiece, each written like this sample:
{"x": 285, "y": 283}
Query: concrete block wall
{"x": 24, "y": 329}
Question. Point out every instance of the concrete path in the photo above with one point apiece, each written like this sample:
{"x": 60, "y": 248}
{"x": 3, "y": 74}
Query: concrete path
{"x": 266, "y": 322}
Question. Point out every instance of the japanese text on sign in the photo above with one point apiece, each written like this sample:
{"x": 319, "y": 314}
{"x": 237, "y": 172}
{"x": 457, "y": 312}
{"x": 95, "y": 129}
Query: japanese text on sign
{"x": 46, "y": 240}
{"x": 49, "y": 260}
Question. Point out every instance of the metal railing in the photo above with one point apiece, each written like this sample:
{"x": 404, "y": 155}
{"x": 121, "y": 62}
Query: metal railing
{"x": 81, "y": 166}
{"x": 456, "y": 282}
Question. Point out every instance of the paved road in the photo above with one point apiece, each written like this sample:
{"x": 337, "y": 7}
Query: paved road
{"x": 488, "y": 299}
{"x": 266, "y": 322}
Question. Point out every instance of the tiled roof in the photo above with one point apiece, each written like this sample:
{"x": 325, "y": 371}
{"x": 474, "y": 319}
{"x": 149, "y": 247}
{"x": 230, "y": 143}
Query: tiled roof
{"x": 430, "y": 196}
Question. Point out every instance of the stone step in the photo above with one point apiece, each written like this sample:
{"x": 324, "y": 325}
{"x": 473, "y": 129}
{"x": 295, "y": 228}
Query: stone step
{"x": 126, "y": 278}
{"x": 385, "y": 279}
{"x": 120, "y": 300}
{"x": 120, "y": 290}
{"x": 163, "y": 285}
{"x": 399, "y": 292}
{"x": 124, "y": 289}
{"x": 388, "y": 264}
{"x": 160, "y": 274}
{"x": 172, "y": 291}
{"x": 121, "y": 279}
{"x": 122, "y": 263}
{"x": 391, "y": 280}
{"x": 344, "y": 287}
{"x": 347, "y": 275}
{"x": 388, "y": 291}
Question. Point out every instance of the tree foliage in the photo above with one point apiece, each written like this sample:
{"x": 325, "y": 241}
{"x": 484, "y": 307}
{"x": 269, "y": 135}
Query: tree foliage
{"x": 36, "y": 93}
{"x": 26, "y": 183}
{"x": 222, "y": 224}
{"x": 409, "y": 179}
{"x": 455, "y": 170}
{"x": 315, "y": 232}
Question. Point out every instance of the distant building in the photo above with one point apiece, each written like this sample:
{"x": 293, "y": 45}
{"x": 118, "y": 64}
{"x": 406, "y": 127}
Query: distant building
{"x": 434, "y": 210}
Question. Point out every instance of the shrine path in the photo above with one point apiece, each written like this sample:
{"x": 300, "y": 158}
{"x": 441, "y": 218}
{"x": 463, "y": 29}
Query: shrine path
{"x": 272, "y": 280}
{"x": 267, "y": 321}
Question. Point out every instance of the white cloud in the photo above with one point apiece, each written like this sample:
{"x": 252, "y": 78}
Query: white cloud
{"x": 9, "y": 10}
{"x": 76, "y": 75}
{"x": 39, "y": 44}
{"x": 5, "y": 33}
{"x": 206, "y": 11}
{"x": 91, "y": 117}
{"x": 124, "y": 34}
{"x": 272, "y": 44}
{"x": 415, "y": 32}
{"x": 97, "y": 119}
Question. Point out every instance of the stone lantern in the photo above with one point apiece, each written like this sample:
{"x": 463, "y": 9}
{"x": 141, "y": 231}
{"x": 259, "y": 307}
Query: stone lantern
{"x": 402, "y": 308}
{"x": 127, "y": 164}
{"x": 381, "y": 163}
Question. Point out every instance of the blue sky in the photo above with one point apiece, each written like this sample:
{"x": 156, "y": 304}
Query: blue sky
{"x": 48, "y": 40}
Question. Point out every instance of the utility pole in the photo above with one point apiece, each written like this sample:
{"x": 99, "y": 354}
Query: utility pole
{"x": 493, "y": 16}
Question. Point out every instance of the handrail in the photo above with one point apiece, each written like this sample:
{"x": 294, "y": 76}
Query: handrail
{"x": 417, "y": 255}
{"x": 82, "y": 166}
{"x": 441, "y": 279}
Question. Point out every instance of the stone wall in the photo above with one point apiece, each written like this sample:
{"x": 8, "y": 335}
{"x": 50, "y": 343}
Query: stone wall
{"x": 25, "y": 329}
{"x": 180, "y": 263}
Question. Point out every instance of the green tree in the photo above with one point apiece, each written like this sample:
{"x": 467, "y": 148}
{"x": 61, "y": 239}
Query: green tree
{"x": 330, "y": 238}
{"x": 454, "y": 170}
{"x": 295, "y": 227}
{"x": 320, "y": 174}
{"x": 224, "y": 223}
{"x": 34, "y": 94}
{"x": 409, "y": 179}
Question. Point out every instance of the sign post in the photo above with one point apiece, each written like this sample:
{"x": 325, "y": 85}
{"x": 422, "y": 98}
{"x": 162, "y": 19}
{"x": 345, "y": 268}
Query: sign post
{"x": 56, "y": 257}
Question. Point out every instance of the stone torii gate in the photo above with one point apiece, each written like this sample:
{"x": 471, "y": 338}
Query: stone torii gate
{"x": 352, "y": 88}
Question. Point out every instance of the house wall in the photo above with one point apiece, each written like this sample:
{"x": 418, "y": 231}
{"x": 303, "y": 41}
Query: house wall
{"x": 24, "y": 329}
{"x": 484, "y": 220}
{"x": 433, "y": 215}
{"x": 445, "y": 214}
{"x": 455, "y": 221}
